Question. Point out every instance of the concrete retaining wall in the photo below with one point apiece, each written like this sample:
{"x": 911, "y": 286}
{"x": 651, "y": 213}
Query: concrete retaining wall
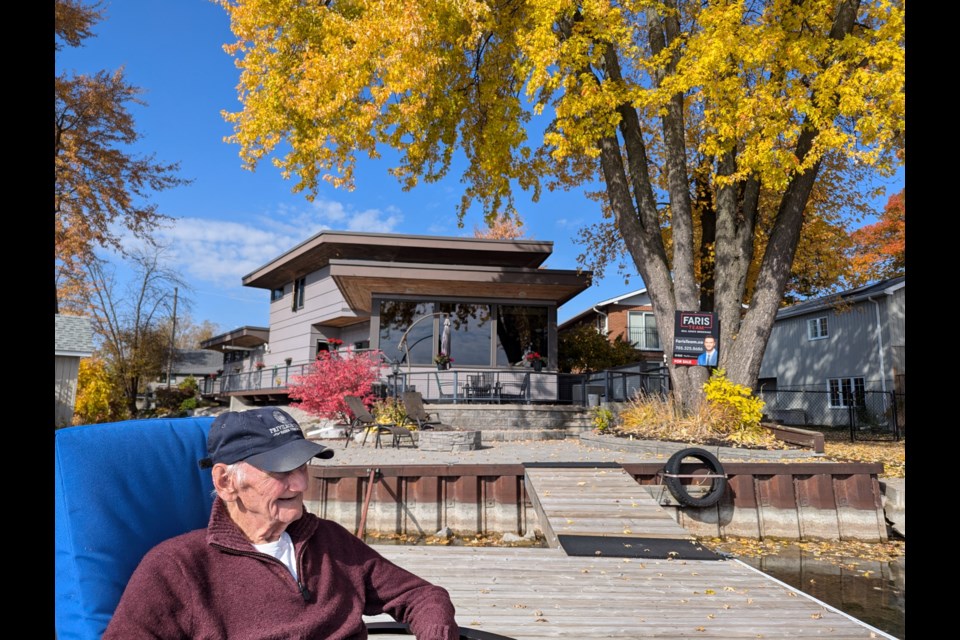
{"x": 500, "y": 422}
{"x": 780, "y": 500}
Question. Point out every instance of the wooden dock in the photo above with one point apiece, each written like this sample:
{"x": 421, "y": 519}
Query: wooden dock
{"x": 597, "y": 501}
{"x": 540, "y": 594}
{"x": 543, "y": 593}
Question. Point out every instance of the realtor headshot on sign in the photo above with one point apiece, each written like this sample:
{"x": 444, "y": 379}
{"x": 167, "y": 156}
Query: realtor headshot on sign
{"x": 709, "y": 356}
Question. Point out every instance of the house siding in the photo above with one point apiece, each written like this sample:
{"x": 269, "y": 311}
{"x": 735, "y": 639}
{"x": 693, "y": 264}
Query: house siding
{"x": 66, "y": 370}
{"x": 849, "y": 350}
{"x": 73, "y": 339}
{"x": 897, "y": 322}
{"x": 865, "y": 339}
{"x": 293, "y": 334}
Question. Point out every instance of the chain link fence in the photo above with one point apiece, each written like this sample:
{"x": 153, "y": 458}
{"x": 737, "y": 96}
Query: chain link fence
{"x": 869, "y": 415}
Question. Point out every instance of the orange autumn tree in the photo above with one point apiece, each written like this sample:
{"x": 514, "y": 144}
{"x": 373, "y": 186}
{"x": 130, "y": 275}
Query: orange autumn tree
{"x": 100, "y": 187}
{"x": 503, "y": 228}
{"x": 680, "y": 110}
{"x": 879, "y": 249}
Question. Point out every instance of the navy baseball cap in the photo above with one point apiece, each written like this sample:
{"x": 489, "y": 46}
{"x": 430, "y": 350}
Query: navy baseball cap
{"x": 266, "y": 437}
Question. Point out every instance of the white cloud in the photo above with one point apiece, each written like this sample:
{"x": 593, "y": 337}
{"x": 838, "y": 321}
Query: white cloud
{"x": 222, "y": 252}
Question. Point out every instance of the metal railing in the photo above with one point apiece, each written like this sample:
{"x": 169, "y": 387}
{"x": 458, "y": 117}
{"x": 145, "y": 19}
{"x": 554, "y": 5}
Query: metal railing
{"x": 618, "y": 384}
{"x": 513, "y": 384}
{"x": 267, "y": 378}
{"x": 869, "y": 415}
{"x": 488, "y": 385}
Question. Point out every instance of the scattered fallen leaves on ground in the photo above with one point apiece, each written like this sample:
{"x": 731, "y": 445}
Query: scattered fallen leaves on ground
{"x": 837, "y": 447}
{"x": 479, "y": 540}
{"x": 837, "y": 552}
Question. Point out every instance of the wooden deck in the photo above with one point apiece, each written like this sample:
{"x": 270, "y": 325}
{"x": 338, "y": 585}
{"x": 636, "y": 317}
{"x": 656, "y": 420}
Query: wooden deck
{"x": 534, "y": 594}
{"x": 599, "y": 501}
{"x": 542, "y": 593}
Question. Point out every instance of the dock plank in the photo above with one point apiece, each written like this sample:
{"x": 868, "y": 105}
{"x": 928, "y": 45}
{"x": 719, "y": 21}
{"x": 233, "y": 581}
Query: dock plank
{"x": 597, "y": 502}
{"x": 534, "y": 594}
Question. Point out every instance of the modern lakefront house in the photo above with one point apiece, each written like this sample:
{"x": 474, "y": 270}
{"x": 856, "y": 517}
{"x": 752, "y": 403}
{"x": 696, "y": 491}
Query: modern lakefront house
{"x": 487, "y": 303}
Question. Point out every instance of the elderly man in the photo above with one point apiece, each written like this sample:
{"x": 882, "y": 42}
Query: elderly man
{"x": 263, "y": 568}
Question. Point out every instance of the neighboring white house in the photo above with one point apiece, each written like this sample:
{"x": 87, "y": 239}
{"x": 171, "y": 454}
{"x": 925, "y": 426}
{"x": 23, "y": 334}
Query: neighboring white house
{"x": 840, "y": 351}
{"x": 73, "y": 339}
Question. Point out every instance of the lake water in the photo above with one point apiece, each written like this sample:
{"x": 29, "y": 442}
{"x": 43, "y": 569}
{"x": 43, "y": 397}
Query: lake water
{"x": 871, "y": 591}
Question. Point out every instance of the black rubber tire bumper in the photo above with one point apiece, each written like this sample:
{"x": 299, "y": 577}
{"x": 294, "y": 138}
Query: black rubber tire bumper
{"x": 718, "y": 479}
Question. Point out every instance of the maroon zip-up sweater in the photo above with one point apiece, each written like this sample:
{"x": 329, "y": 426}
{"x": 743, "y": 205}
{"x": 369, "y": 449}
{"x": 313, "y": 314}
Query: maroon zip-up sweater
{"x": 212, "y": 584}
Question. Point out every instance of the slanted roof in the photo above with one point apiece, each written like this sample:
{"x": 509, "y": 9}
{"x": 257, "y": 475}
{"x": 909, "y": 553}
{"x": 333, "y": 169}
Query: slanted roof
{"x": 593, "y": 309}
{"x": 242, "y": 338}
{"x": 73, "y": 336}
{"x": 317, "y": 252}
{"x": 359, "y": 280}
{"x": 883, "y": 287}
{"x": 196, "y": 362}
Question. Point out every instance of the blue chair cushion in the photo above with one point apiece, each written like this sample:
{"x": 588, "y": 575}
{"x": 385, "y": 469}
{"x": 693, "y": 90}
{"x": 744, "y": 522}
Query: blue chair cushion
{"x": 120, "y": 489}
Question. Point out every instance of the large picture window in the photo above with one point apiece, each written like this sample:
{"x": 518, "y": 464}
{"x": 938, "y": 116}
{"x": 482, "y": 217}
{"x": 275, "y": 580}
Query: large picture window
{"x": 396, "y": 316}
{"x": 520, "y": 329}
{"x": 478, "y": 334}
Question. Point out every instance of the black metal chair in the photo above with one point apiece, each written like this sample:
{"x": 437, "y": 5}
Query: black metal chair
{"x": 480, "y": 387}
{"x": 363, "y": 419}
{"x": 524, "y": 393}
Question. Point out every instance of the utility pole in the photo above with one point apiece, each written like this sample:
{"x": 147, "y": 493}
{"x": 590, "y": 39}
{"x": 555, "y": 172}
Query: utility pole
{"x": 173, "y": 333}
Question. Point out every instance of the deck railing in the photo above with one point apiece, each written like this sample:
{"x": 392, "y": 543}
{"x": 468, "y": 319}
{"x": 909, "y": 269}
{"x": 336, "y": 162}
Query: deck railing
{"x": 505, "y": 385}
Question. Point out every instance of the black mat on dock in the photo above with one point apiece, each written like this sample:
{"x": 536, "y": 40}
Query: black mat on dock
{"x": 624, "y": 547}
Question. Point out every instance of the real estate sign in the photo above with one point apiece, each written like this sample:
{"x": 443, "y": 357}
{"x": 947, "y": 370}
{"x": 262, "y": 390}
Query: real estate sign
{"x": 691, "y": 331}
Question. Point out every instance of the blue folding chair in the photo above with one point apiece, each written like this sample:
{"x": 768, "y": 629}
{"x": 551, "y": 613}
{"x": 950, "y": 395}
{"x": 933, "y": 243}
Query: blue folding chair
{"x": 120, "y": 489}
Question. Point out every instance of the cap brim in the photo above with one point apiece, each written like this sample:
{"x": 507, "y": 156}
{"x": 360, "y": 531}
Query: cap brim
{"x": 289, "y": 456}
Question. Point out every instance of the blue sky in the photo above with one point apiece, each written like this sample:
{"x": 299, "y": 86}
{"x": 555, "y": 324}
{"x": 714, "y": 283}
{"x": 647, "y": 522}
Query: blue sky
{"x": 229, "y": 221}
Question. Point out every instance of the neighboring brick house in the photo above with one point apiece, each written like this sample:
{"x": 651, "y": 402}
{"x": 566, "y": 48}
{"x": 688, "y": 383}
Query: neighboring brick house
{"x": 629, "y": 316}
{"x": 73, "y": 340}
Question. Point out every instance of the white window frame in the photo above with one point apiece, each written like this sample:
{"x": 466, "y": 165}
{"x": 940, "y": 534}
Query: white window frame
{"x": 817, "y": 328}
{"x": 839, "y": 389}
{"x": 642, "y": 329}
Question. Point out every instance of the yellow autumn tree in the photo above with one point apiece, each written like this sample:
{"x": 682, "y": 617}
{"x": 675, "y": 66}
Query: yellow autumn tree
{"x": 99, "y": 398}
{"x": 680, "y": 109}
{"x": 100, "y": 187}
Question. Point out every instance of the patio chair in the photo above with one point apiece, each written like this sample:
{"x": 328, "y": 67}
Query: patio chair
{"x": 523, "y": 394}
{"x": 120, "y": 489}
{"x": 363, "y": 419}
{"x": 417, "y": 413}
{"x": 441, "y": 393}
